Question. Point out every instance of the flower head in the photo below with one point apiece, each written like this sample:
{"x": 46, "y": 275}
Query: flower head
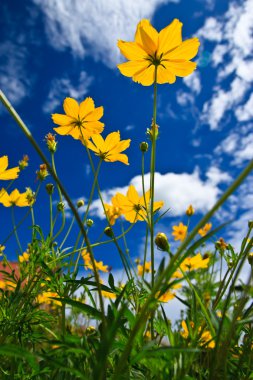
{"x": 24, "y": 162}
{"x": 88, "y": 263}
{"x": 81, "y": 120}
{"x": 7, "y": 174}
{"x": 15, "y": 198}
{"x": 24, "y": 257}
{"x": 109, "y": 149}
{"x": 112, "y": 213}
{"x": 165, "y": 51}
{"x": 203, "y": 231}
{"x": 190, "y": 211}
{"x": 133, "y": 206}
{"x": 146, "y": 268}
{"x": 195, "y": 262}
{"x": 179, "y": 232}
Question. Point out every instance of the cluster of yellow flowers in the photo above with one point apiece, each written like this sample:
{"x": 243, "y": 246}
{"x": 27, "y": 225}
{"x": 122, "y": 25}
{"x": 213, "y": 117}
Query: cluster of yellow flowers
{"x": 205, "y": 338}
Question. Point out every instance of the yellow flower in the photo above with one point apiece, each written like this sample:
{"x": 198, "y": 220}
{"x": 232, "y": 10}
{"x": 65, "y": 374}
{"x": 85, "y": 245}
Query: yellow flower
{"x": 190, "y": 211}
{"x": 44, "y": 298}
{"x": 195, "y": 262}
{"x": 169, "y": 294}
{"x": 164, "y": 50}
{"x": 203, "y": 231}
{"x": 133, "y": 206}
{"x": 108, "y": 294}
{"x": 205, "y": 338}
{"x": 88, "y": 264}
{"x": 24, "y": 257}
{"x": 109, "y": 149}
{"x": 185, "y": 332}
{"x": 179, "y": 232}
{"x": 7, "y": 174}
{"x": 80, "y": 121}
{"x": 14, "y": 199}
{"x": 146, "y": 268}
{"x": 112, "y": 213}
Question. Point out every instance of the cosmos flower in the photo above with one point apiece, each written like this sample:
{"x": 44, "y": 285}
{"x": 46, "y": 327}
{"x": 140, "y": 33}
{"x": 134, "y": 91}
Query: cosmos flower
{"x": 205, "y": 338}
{"x": 133, "y": 206}
{"x": 203, "y": 231}
{"x": 15, "y": 198}
{"x": 164, "y": 50}
{"x": 179, "y": 232}
{"x": 109, "y": 149}
{"x": 24, "y": 257}
{"x": 7, "y": 174}
{"x": 112, "y": 213}
{"x": 88, "y": 264}
{"x": 146, "y": 268}
{"x": 81, "y": 120}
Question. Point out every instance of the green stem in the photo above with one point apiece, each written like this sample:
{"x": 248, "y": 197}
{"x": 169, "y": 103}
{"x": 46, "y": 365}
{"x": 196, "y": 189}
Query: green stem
{"x": 15, "y": 230}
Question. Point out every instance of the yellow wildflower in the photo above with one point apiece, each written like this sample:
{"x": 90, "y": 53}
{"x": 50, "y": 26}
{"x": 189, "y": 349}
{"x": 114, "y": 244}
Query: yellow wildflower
{"x": 146, "y": 268}
{"x": 179, "y": 232}
{"x": 81, "y": 120}
{"x": 195, "y": 262}
{"x": 51, "y": 142}
{"x": 165, "y": 51}
{"x": 185, "y": 332}
{"x": 24, "y": 257}
{"x": 2, "y": 248}
{"x": 203, "y": 231}
{"x": 133, "y": 206}
{"x": 109, "y": 149}
{"x": 24, "y": 162}
{"x": 112, "y": 213}
{"x": 169, "y": 294}
{"x": 190, "y": 211}
{"x": 88, "y": 264}
{"x": 108, "y": 294}
{"x": 42, "y": 173}
{"x": 205, "y": 338}
{"x": 7, "y": 174}
{"x": 15, "y": 198}
{"x": 44, "y": 298}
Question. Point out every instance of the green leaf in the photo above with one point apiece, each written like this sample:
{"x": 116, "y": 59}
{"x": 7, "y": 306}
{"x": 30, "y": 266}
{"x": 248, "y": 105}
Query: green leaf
{"x": 87, "y": 309}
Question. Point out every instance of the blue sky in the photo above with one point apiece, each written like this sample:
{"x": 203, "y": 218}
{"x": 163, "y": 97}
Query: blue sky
{"x": 50, "y": 50}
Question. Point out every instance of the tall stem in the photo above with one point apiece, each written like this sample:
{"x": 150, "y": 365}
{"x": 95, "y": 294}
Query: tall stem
{"x": 152, "y": 181}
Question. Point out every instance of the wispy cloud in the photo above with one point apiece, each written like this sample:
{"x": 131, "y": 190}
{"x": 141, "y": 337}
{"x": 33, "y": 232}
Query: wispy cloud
{"x": 93, "y": 27}
{"x": 66, "y": 87}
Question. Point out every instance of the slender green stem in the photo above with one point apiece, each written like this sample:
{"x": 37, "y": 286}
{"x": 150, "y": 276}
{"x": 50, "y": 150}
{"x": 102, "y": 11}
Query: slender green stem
{"x": 15, "y": 230}
{"x": 51, "y": 217}
{"x": 68, "y": 232}
{"x": 60, "y": 196}
{"x": 152, "y": 182}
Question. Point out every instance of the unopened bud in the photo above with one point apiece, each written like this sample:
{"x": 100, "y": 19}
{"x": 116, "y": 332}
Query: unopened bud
{"x": 221, "y": 244}
{"x": 60, "y": 206}
{"x": 30, "y": 196}
{"x": 108, "y": 231}
{"x": 80, "y": 203}
{"x": 250, "y": 258}
{"x": 250, "y": 224}
{"x": 89, "y": 222}
{"x": 50, "y": 188}
{"x": 144, "y": 146}
{"x": 24, "y": 162}
{"x": 42, "y": 173}
{"x": 190, "y": 211}
{"x": 51, "y": 142}
{"x": 161, "y": 241}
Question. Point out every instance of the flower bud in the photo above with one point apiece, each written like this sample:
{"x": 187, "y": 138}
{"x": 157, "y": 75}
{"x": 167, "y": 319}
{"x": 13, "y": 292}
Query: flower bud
{"x": 221, "y": 244}
{"x": 89, "y": 222}
{"x": 190, "y": 211}
{"x": 250, "y": 258}
{"x": 24, "y": 162}
{"x": 51, "y": 143}
{"x": 60, "y": 206}
{"x": 250, "y": 224}
{"x": 108, "y": 231}
{"x": 144, "y": 146}
{"x": 161, "y": 241}
{"x": 30, "y": 196}
{"x": 80, "y": 203}
{"x": 50, "y": 188}
{"x": 42, "y": 173}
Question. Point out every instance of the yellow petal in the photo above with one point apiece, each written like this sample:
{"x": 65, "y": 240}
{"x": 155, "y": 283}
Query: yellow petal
{"x": 71, "y": 107}
{"x": 118, "y": 157}
{"x": 91, "y": 146}
{"x": 95, "y": 115}
{"x": 170, "y": 37}
{"x": 146, "y": 36}
{"x": 62, "y": 119}
{"x": 122, "y": 145}
{"x": 112, "y": 140}
{"x": 4, "y": 198}
{"x": 146, "y": 76}
{"x": 10, "y": 174}
{"x": 64, "y": 130}
{"x": 86, "y": 107}
{"x": 186, "y": 51}
{"x": 3, "y": 163}
{"x": 131, "y": 216}
{"x": 131, "y": 50}
{"x": 93, "y": 127}
{"x": 131, "y": 68}
{"x": 22, "y": 200}
{"x": 75, "y": 133}
{"x": 165, "y": 75}
{"x": 99, "y": 142}
{"x": 132, "y": 194}
{"x": 158, "y": 205}
{"x": 180, "y": 69}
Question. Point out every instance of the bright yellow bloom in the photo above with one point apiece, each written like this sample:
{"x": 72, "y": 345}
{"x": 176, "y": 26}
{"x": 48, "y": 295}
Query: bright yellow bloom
{"x": 7, "y": 174}
{"x": 146, "y": 268}
{"x": 195, "y": 262}
{"x": 203, "y": 231}
{"x": 109, "y": 149}
{"x": 133, "y": 206}
{"x": 24, "y": 257}
{"x": 179, "y": 232}
{"x": 108, "y": 294}
{"x": 45, "y": 298}
{"x": 164, "y": 50}
{"x": 169, "y": 294}
{"x": 81, "y": 120}
{"x": 112, "y": 213}
{"x": 14, "y": 199}
{"x": 2, "y": 248}
{"x": 185, "y": 332}
{"x": 205, "y": 338}
{"x": 88, "y": 264}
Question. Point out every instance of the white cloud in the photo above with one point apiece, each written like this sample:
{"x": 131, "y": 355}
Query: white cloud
{"x": 176, "y": 190}
{"x": 14, "y": 81}
{"x": 93, "y": 27}
{"x": 193, "y": 82}
{"x": 245, "y": 112}
{"x": 64, "y": 87}
{"x": 232, "y": 34}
